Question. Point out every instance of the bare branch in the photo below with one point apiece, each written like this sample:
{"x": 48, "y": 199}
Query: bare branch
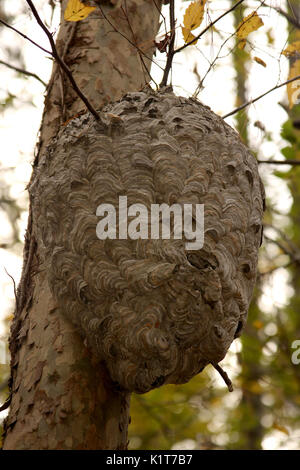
{"x": 288, "y": 17}
{"x": 275, "y": 268}
{"x": 61, "y": 62}
{"x": 24, "y": 36}
{"x": 144, "y": 66}
{"x": 172, "y": 52}
{"x": 280, "y": 162}
{"x": 208, "y": 27}
{"x": 24, "y": 72}
{"x": 224, "y": 376}
{"x": 171, "y": 45}
{"x": 295, "y": 257}
{"x": 236, "y": 110}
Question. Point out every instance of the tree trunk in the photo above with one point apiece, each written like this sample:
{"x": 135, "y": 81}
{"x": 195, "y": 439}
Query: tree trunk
{"x": 61, "y": 397}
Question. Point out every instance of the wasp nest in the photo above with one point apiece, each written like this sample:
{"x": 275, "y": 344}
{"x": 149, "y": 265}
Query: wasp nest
{"x": 154, "y": 311}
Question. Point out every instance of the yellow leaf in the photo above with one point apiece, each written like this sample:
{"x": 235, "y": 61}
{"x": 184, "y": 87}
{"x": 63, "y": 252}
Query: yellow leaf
{"x": 194, "y": 15}
{"x": 260, "y": 61}
{"x": 77, "y": 11}
{"x": 242, "y": 44}
{"x": 188, "y": 36}
{"x": 293, "y": 88}
{"x": 249, "y": 24}
{"x": 281, "y": 428}
{"x": 258, "y": 324}
{"x": 192, "y": 19}
{"x": 293, "y": 50}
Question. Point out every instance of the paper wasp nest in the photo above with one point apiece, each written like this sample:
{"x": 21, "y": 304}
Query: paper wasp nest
{"x": 154, "y": 311}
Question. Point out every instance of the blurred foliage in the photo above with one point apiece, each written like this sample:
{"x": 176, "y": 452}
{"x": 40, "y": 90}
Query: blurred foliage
{"x": 9, "y": 207}
{"x": 266, "y": 399}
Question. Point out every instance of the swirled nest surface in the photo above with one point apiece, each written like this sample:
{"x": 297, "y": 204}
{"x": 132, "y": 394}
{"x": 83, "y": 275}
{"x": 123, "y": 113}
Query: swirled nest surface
{"x": 153, "y": 311}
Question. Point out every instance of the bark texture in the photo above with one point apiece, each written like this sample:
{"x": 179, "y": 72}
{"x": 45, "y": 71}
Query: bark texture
{"x": 153, "y": 311}
{"x": 61, "y": 396}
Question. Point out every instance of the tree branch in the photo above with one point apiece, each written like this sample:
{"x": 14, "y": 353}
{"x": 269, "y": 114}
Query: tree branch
{"x": 172, "y": 52}
{"x": 171, "y": 46}
{"x": 144, "y": 66}
{"x": 208, "y": 27}
{"x": 295, "y": 257}
{"x": 62, "y": 63}
{"x": 14, "y": 284}
{"x": 260, "y": 96}
{"x": 24, "y": 36}
{"x": 288, "y": 17}
{"x": 24, "y": 72}
{"x": 224, "y": 376}
{"x": 280, "y": 162}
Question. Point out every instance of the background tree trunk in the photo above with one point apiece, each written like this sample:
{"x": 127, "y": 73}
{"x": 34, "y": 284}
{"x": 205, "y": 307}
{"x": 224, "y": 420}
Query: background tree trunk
{"x": 61, "y": 397}
{"x": 249, "y": 413}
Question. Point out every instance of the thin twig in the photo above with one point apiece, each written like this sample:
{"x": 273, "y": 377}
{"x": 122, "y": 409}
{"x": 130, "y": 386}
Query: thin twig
{"x": 275, "y": 268}
{"x": 224, "y": 376}
{"x": 294, "y": 248}
{"x": 260, "y": 96}
{"x": 144, "y": 66}
{"x": 217, "y": 57}
{"x": 70, "y": 35}
{"x": 127, "y": 39}
{"x": 295, "y": 257}
{"x": 160, "y": 13}
{"x": 288, "y": 17}
{"x": 14, "y": 283}
{"x": 24, "y": 72}
{"x": 24, "y": 36}
{"x": 280, "y": 162}
{"x": 211, "y": 65}
{"x": 171, "y": 45}
{"x": 61, "y": 62}
{"x": 208, "y": 27}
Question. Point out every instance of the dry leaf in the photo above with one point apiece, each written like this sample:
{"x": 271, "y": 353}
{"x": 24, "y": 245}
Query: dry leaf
{"x": 194, "y": 15}
{"x": 260, "y": 61}
{"x": 249, "y": 24}
{"x": 77, "y": 11}
{"x": 192, "y": 19}
{"x": 188, "y": 36}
